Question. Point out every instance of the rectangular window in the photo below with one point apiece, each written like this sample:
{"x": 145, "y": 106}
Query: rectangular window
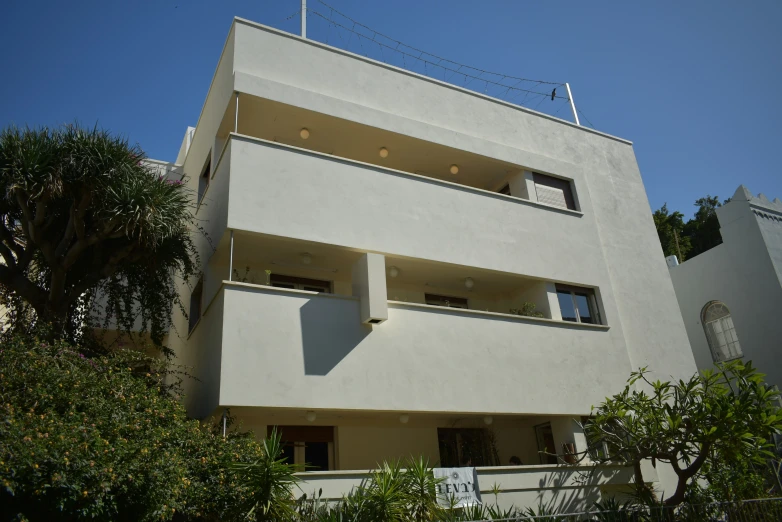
{"x": 466, "y": 447}
{"x": 195, "y": 305}
{"x": 203, "y": 180}
{"x": 554, "y": 191}
{"x": 578, "y": 305}
{"x": 300, "y": 283}
{"x": 310, "y": 447}
{"x": 444, "y": 300}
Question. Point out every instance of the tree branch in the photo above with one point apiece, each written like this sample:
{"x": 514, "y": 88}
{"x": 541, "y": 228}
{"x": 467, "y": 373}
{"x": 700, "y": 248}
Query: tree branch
{"x": 95, "y": 277}
{"x": 26, "y": 289}
{"x": 686, "y": 474}
{"x": 8, "y": 256}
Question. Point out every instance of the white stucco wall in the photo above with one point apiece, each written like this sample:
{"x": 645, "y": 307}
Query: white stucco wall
{"x": 744, "y": 273}
{"x": 272, "y": 341}
{"x": 304, "y": 350}
{"x": 564, "y": 489}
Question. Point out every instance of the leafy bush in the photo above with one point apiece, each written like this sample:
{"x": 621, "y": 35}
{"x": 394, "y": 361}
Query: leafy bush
{"x": 715, "y": 427}
{"x": 105, "y": 438}
{"x": 527, "y": 309}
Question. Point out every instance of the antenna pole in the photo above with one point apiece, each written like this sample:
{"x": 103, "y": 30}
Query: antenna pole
{"x": 570, "y": 98}
{"x": 304, "y": 18}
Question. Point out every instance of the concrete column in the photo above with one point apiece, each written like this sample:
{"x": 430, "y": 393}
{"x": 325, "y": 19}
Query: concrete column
{"x": 522, "y": 186}
{"x": 369, "y": 285}
{"x": 566, "y": 431}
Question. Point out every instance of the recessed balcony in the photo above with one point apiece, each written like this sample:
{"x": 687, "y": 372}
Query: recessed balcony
{"x": 285, "y": 329}
{"x": 273, "y": 121}
{"x": 280, "y": 190}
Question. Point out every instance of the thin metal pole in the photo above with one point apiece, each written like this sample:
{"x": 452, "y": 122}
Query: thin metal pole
{"x": 572, "y": 103}
{"x": 225, "y": 423}
{"x": 231, "y": 258}
{"x": 679, "y": 250}
{"x": 236, "y": 117}
{"x": 304, "y": 18}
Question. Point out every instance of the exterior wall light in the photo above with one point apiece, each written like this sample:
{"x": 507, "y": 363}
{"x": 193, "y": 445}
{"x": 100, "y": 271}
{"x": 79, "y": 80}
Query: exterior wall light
{"x": 383, "y": 152}
{"x": 454, "y": 169}
{"x": 393, "y": 271}
{"x": 469, "y": 283}
{"x": 488, "y": 419}
{"x": 304, "y": 133}
{"x": 404, "y": 418}
{"x": 306, "y": 258}
{"x": 311, "y": 416}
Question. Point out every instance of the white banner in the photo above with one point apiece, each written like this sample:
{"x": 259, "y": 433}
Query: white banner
{"x": 460, "y": 484}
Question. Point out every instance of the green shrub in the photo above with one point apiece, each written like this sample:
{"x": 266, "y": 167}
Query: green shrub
{"x": 105, "y": 438}
{"x": 527, "y": 309}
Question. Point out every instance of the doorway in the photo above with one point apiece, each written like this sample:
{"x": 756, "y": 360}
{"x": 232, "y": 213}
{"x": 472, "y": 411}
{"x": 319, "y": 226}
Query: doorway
{"x": 311, "y": 448}
{"x": 545, "y": 438}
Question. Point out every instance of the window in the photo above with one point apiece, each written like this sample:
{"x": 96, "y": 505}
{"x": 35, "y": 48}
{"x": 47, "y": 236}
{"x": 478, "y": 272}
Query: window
{"x": 203, "y": 180}
{"x": 547, "y": 450}
{"x": 720, "y": 332}
{"x": 195, "y": 305}
{"x": 466, "y": 447}
{"x": 300, "y": 283}
{"x": 578, "y": 305}
{"x": 310, "y": 447}
{"x": 444, "y": 300}
{"x": 505, "y": 190}
{"x": 554, "y": 191}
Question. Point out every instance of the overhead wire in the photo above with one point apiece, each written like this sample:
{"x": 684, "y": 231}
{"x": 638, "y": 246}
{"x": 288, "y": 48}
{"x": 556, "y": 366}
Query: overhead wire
{"x": 422, "y": 52}
{"x": 468, "y": 72}
{"x": 585, "y": 117}
{"x": 434, "y": 64}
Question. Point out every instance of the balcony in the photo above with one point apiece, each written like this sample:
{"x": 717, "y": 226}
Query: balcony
{"x": 303, "y": 345}
{"x": 285, "y": 191}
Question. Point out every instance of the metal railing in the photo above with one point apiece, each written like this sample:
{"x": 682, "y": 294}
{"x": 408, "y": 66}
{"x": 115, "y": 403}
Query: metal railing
{"x": 760, "y": 510}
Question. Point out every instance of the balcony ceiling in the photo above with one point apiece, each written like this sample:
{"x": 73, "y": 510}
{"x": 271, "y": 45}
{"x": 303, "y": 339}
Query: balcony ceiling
{"x": 283, "y": 123}
{"x": 330, "y": 262}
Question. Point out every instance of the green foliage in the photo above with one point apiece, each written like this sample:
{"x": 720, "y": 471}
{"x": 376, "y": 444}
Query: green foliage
{"x": 527, "y": 309}
{"x": 270, "y": 481}
{"x": 670, "y": 229}
{"x": 704, "y": 228}
{"x": 106, "y": 439}
{"x": 694, "y": 237}
{"x": 81, "y": 216}
{"x": 700, "y": 426}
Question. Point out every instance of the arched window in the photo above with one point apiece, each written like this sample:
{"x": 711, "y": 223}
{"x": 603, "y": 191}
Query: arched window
{"x": 720, "y": 332}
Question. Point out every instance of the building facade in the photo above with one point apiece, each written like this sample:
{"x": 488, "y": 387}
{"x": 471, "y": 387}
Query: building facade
{"x": 396, "y": 266}
{"x": 730, "y": 296}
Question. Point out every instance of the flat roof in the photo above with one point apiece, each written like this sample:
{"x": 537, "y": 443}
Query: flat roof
{"x": 423, "y": 77}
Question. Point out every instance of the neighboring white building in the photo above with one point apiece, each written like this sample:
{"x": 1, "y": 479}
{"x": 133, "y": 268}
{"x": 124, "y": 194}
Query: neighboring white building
{"x": 731, "y": 296}
{"x": 369, "y": 231}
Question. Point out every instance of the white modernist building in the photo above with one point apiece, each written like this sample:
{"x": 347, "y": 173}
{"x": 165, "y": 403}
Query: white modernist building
{"x": 371, "y": 234}
{"x": 730, "y": 296}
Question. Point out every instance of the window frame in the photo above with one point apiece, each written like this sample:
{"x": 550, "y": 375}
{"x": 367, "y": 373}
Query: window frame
{"x": 712, "y": 340}
{"x": 196, "y": 302}
{"x": 554, "y": 182}
{"x": 591, "y": 297}
{"x": 206, "y": 173}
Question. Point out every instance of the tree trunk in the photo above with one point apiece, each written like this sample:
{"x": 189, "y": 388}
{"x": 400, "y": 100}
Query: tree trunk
{"x": 53, "y": 322}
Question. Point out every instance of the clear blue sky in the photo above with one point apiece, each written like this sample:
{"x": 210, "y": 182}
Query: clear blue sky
{"x": 694, "y": 84}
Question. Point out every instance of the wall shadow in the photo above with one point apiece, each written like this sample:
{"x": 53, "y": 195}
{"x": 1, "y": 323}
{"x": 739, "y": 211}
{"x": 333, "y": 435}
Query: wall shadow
{"x": 330, "y": 330}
